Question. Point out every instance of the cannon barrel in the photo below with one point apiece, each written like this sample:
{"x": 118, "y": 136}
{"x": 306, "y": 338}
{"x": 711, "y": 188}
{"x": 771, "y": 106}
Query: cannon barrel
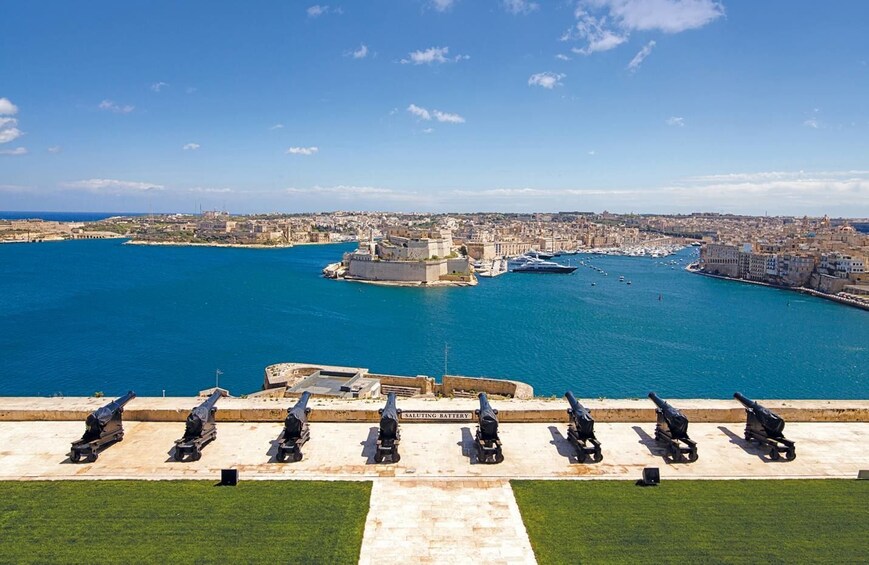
{"x": 676, "y": 421}
{"x": 297, "y": 416}
{"x": 771, "y": 422}
{"x": 103, "y": 414}
{"x": 487, "y": 417}
{"x": 580, "y": 415}
{"x": 389, "y": 417}
{"x": 199, "y": 415}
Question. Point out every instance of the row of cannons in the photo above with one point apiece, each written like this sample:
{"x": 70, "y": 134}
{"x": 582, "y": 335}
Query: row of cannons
{"x": 104, "y": 427}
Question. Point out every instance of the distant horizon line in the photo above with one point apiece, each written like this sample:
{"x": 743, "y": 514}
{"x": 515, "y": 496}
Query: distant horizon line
{"x": 128, "y": 213}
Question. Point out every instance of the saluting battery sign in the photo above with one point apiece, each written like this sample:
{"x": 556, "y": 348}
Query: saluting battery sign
{"x": 437, "y": 415}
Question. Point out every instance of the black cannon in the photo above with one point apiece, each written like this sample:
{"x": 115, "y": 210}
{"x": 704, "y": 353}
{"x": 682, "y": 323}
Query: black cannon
{"x": 103, "y": 427}
{"x": 199, "y": 430}
{"x": 580, "y": 431}
{"x": 671, "y": 429}
{"x": 296, "y": 432}
{"x": 766, "y": 427}
{"x": 487, "y": 442}
{"x": 388, "y": 436}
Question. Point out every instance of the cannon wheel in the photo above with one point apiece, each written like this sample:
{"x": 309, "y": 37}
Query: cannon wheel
{"x": 92, "y": 456}
{"x": 581, "y": 455}
{"x": 692, "y": 456}
{"x": 178, "y": 455}
{"x": 597, "y": 456}
{"x": 75, "y": 456}
{"x": 791, "y": 454}
{"x": 499, "y": 457}
{"x": 196, "y": 455}
{"x": 774, "y": 454}
{"x": 297, "y": 456}
{"x": 281, "y": 456}
{"x": 378, "y": 457}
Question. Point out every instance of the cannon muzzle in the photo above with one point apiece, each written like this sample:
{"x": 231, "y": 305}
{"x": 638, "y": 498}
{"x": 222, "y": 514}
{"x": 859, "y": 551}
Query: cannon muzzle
{"x": 771, "y": 422}
{"x": 676, "y": 421}
{"x": 389, "y": 417}
{"x": 487, "y": 417}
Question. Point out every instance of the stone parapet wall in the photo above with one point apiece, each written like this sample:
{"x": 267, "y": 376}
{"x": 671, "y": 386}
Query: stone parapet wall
{"x": 157, "y": 409}
{"x": 515, "y": 389}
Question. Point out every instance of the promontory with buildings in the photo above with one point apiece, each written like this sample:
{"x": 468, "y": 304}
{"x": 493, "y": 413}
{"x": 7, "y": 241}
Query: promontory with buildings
{"x": 818, "y": 254}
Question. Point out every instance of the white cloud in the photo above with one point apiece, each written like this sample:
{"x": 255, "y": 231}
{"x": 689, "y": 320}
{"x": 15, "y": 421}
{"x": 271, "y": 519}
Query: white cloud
{"x": 562, "y": 57}
{"x": 306, "y": 151}
{"x": 55, "y": 149}
{"x": 201, "y": 190}
{"x": 112, "y": 185}
{"x": 116, "y": 108}
{"x": 676, "y": 121}
{"x": 277, "y": 126}
{"x": 442, "y": 5}
{"x": 810, "y": 123}
{"x": 158, "y": 86}
{"x": 7, "y": 107}
{"x": 520, "y": 6}
{"x": 640, "y": 56}
{"x": 447, "y": 117}
{"x": 606, "y": 24}
{"x": 432, "y": 55}
{"x": 546, "y": 80}
{"x": 318, "y": 10}
{"x": 668, "y": 16}
{"x": 592, "y": 152}
{"x": 593, "y": 31}
{"x": 443, "y": 117}
{"x": 360, "y": 53}
{"x": 9, "y": 129}
{"x": 356, "y": 193}
{"x": 419, "y": 112}
{"x": 14, "y": 152}
{"x": 428, "y": 130}
{"x": 191, "y": 146}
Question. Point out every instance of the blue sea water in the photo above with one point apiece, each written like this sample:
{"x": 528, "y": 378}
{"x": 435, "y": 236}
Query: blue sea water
{"x": 64, "y": 216}
{"x": 84, "y": 316}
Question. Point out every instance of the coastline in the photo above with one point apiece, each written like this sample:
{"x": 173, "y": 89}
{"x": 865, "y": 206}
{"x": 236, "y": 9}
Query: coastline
{"x": 186, "y": 244}
{"x": 797, "y": 289}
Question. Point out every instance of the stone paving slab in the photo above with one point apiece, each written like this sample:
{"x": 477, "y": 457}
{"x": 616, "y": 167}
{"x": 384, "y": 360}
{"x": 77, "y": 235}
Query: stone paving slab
{"x": 435, "y": 521}
{"x": 38, "y": 450}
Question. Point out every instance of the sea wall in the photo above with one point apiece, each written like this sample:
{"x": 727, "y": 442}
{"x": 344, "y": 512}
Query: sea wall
{"x": 402, "y": 271}
{"x": 156, "y": 409}
{"x": 453, "y": 383}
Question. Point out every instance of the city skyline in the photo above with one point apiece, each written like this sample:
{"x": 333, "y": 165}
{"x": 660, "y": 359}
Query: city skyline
{"x": 663, "y": 106}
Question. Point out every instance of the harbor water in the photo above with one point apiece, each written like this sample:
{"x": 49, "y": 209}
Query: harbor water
{"x": 78, "y": 317}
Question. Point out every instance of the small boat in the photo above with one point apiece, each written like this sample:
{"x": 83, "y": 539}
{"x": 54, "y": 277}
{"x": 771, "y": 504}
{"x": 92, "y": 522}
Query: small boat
{"x": 621, "y": 279}
{"x": 593, "y": 284}
{"x": 629, "y": 282}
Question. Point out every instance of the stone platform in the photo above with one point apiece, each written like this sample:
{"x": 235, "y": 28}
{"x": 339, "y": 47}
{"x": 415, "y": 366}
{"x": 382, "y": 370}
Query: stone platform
{"x": 444, "y": 451}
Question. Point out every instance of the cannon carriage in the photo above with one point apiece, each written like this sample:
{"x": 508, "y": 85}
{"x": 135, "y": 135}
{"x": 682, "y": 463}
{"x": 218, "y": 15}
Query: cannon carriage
{"x": 388, "y": 435}
{"x": 580, "y": 431}
{"x": 766, "y": 427}
{"x": 486, "y": 442}
{"x": 103, "y": 427}
{"x": 671, "y": 430}
{"x": 296, "y": 431}
{"x": 199, "y": 430}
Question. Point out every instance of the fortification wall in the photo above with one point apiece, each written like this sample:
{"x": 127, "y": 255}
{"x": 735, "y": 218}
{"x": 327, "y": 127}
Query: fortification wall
{"x": 455, "y": 383}
{"x": 155, "y": 409}
{"x": 401, "y": 271}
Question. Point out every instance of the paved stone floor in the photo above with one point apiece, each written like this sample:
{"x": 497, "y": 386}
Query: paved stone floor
{"x": 435, "y": 521}
{"x": 38, "y": 450}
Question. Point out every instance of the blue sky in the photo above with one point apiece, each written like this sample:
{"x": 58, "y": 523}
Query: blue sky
{"x": 462, "y": 105}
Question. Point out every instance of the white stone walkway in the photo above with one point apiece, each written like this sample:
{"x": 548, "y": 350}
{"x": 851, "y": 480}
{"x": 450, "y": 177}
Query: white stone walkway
{"x": 444, "y": 521}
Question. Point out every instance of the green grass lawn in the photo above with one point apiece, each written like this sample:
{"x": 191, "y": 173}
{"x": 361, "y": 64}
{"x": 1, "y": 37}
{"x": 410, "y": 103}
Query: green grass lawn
{"x": 763, "y": 521}
{"x": 182, "y": 522}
